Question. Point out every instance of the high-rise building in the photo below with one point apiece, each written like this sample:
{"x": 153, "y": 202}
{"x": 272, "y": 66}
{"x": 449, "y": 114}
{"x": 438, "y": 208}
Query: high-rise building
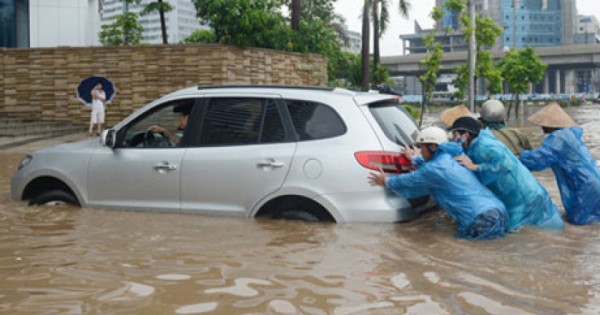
{"x": 588, "y": 30}
{"x": 39, "y": 23}
{"x": 538, "y": 23}
{"x": 534, "y": 23}
{"x": 14, "y": 23}
{"x": 353, "y": 43}
{"x": 181, "y": 21}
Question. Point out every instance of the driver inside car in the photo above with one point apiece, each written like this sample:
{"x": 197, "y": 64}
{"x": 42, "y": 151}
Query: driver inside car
{"x": 184, "y": 110}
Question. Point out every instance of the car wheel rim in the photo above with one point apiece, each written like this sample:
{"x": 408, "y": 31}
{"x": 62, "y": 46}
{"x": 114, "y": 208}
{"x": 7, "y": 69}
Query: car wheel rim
{"x": 54, "y": 203}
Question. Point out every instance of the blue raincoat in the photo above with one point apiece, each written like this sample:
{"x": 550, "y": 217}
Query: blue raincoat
{"x": 480, "y": 215}
{"x": 576, "y": 173}
{"x": 526, "y": 200}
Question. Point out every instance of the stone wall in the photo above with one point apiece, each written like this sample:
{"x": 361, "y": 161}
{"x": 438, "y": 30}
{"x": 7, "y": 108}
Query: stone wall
{"x": 41, "y": 83}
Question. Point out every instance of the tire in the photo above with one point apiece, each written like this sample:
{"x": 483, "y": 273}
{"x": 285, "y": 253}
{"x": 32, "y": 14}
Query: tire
{"x": 54, "y": 198}
{"x": 296, "y": 215}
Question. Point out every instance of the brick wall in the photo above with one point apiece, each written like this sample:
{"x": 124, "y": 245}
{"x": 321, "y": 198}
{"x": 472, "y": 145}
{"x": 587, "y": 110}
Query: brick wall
{"x": 42, "y": 82}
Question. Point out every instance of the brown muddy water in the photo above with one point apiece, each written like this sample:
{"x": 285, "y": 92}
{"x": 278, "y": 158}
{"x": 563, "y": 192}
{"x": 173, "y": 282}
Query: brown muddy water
{"x": 64, "y": 260}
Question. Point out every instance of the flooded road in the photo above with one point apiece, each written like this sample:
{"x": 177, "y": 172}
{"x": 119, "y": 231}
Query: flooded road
{"x": 64, "y": 260}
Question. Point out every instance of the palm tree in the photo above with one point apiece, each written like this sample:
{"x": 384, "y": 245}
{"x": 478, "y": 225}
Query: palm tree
{"x": 160, "y": 7}
{"x": 381, "y": 20}
{"x": 379, "y": 9}
{"x": 365, "y": 73}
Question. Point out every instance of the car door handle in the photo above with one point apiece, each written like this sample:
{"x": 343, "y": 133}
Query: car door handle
{"x": 165, "y": 166}
{"x": 270, "y": 163}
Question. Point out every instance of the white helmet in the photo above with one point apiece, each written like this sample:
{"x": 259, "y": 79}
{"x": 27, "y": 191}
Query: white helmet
{"x": 432, "y": 135}
{"x": 492, "y": 111}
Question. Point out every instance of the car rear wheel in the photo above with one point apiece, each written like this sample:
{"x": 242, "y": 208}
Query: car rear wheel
{"x": 54, "y": 198}
{"x": 297, "y": 215}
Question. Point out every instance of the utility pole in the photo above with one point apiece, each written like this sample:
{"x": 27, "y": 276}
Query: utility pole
{"x": 472, "y": 56}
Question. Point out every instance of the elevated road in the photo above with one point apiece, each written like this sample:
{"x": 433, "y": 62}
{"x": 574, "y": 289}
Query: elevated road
{"x": 558, "y": 57}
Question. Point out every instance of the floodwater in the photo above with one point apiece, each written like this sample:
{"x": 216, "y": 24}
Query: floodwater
{"x": 65, "y": 260}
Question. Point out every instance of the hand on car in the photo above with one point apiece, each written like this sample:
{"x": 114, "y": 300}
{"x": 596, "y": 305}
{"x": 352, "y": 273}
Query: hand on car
{"x": 466, "y": 162}
{"x": 410, "y": 152}
{"x": 377, "y": 179}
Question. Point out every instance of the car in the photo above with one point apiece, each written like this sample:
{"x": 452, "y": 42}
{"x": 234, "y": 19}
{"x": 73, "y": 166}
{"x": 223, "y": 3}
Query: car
{"x": 283, "y": 152}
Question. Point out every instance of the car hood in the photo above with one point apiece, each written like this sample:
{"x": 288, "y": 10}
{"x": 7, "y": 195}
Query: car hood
{"x": 81, "y": 146}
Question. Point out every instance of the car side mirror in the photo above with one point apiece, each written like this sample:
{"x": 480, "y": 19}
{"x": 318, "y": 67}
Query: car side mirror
{"x": 108, "y": 138}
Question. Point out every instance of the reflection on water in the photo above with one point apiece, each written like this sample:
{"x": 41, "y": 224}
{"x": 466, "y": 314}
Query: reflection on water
{"x": 65, "y": 260}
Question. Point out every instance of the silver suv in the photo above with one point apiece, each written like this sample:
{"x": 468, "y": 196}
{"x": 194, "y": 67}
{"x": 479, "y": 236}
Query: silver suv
{"x": 280, "y": 152}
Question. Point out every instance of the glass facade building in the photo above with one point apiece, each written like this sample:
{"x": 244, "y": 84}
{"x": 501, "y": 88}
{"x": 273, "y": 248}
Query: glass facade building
{"x": 534, "y": 23}
{"x": 14, "y": 23}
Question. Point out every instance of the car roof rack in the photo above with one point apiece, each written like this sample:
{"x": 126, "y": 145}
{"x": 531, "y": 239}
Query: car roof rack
{"x": 291, "y": 87}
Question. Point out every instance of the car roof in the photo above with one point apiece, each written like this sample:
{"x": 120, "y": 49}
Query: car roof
{"x": 359, "y": 97}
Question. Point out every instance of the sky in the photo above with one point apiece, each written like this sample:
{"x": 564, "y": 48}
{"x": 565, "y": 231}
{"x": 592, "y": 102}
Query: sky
{"x": 420, "y": 9}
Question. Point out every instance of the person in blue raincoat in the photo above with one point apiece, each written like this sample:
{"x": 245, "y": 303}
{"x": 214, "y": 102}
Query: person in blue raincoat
{"x": 575, "y": 169}
{"x": 526, "y": 200}
{"x": 479, "y": 214}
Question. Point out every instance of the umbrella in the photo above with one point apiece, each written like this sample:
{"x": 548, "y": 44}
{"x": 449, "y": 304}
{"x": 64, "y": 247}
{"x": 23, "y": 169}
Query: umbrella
{"x": 85, "y": 87}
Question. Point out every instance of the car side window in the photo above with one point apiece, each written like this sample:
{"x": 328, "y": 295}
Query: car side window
{"x": 313, "y": 121}
{"x": 162, "y": 127}
{"x": 241, "y": 121}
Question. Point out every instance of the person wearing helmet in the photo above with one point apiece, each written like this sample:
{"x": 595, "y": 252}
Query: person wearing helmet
{"x": 575, "y": 169}
{"x": 492, "y": 116}
{"x": 479, "y": 214}
{"x": 526, "y": 201}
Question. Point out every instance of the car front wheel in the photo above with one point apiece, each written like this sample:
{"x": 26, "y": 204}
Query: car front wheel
{"x": 54, "y": 198}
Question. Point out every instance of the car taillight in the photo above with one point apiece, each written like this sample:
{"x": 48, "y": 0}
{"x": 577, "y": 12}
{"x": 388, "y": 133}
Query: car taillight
{"x": 390, "y": 162}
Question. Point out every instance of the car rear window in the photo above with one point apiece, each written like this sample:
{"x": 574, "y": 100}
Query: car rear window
{"x": 313, "y": 121}
{"x": 395, "y": 121}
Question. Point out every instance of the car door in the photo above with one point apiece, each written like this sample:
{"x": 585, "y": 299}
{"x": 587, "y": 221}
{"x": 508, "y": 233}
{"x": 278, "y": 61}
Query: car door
{"x": 243, "y": 154}
{"x": 141, "y": 174}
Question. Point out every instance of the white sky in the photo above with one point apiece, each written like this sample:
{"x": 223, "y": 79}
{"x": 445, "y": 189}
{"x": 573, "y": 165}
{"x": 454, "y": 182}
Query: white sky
{"x": 420, "y": 9}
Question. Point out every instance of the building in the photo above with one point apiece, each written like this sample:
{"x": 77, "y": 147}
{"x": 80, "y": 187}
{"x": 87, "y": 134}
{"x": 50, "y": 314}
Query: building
{"x": 181, "y": 21}
{"x": 588, "y": 30}
{"x": 39, "y": 23}
{"x": 14, "y": 23}
{"x": 354, "y": 43}
{"x": 534, "y": 23}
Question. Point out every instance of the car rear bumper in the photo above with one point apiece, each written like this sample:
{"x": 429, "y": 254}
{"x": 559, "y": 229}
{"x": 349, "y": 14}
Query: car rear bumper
{"x": 369, "y": 206}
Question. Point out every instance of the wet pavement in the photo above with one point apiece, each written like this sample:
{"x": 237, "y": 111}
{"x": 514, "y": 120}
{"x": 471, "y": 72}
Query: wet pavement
{"x": 65, "y": 260}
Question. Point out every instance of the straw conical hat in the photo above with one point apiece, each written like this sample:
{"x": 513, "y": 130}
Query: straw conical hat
{"x": 551, "y": 116}
{"x": 451, "y": 114}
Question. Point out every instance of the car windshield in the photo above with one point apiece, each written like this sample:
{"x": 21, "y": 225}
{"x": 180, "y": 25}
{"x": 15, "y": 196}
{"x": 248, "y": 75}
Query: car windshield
{"x": 396, "y": 122}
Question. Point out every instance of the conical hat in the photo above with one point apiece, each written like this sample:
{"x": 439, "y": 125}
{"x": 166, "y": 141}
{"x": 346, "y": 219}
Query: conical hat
{"x": 551, "y": 116}
{"x": 451, "y": 114}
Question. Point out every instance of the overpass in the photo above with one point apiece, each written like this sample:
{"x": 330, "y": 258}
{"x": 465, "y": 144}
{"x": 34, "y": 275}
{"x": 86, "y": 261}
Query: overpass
{"x": 570, "y": 68}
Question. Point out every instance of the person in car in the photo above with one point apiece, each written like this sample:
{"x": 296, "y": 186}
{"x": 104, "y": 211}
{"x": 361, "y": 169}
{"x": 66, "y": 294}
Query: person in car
{"x": 492, "y": 117}
{"x": 479, "y": 214}
{"x": 526, "y": 201}
{"x": 184, "y": 110}
{"x": 576, "y": 171}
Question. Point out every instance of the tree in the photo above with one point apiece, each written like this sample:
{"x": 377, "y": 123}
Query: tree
{"x": 435, "y": 53}
{"x": 486, "y": 34}
{"x": 381, "y": 21}
{"x": 520, "y": 69}
{"x": 246, "y": 23}
{"x": 161, "y": 7}
{"x": 124, "y": 31}
{"x": 200, "y": 37}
